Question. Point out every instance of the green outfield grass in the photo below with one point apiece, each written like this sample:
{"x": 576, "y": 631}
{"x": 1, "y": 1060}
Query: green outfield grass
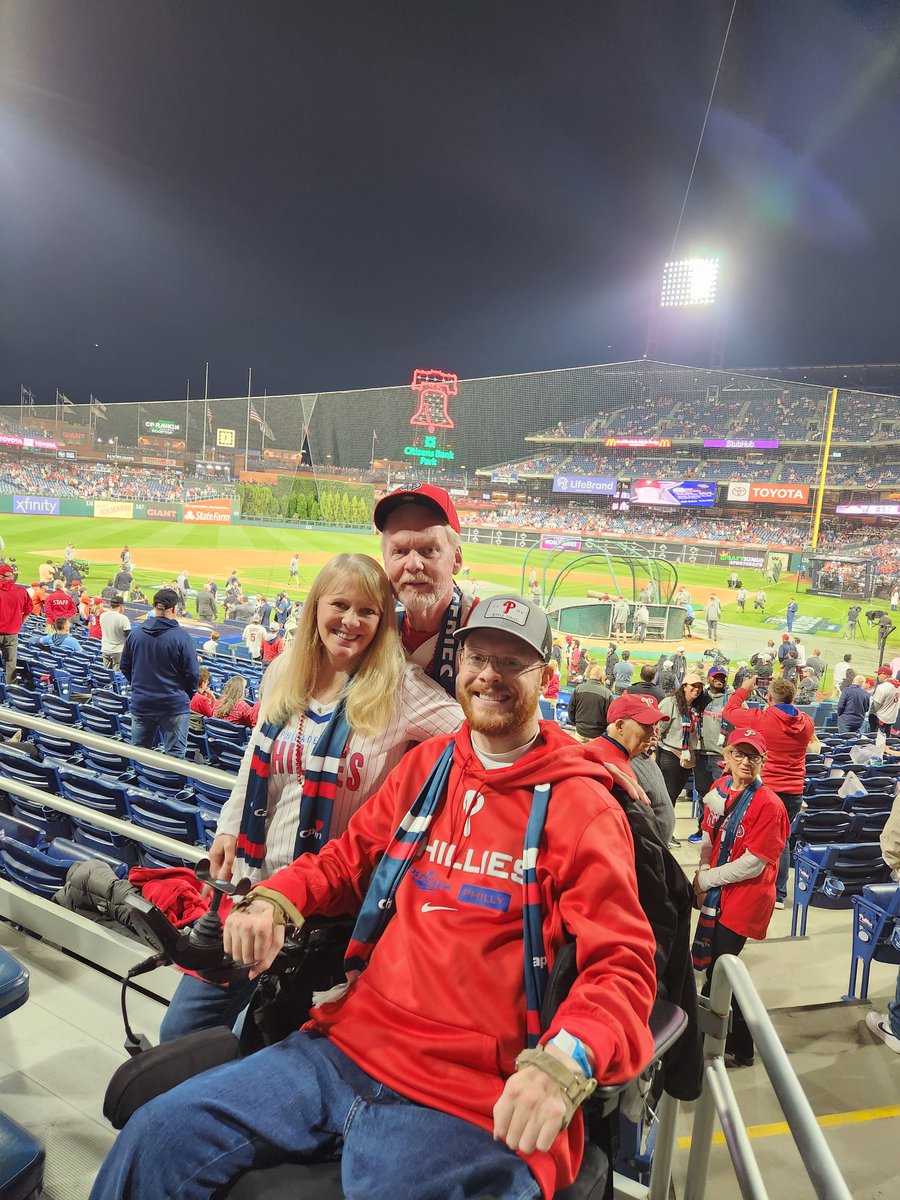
{"x": 261, "y": 554}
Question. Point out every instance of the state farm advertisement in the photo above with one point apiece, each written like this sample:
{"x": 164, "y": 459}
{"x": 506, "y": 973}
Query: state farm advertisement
{"x": 208, "y": 512}
{"x": 768, "y": 493}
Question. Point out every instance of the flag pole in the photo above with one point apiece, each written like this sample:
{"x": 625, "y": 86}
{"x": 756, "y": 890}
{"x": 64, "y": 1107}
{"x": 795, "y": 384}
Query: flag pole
{"x": 372, "y": 459}
{"x": 262, "y": 428}
{"x": 247, "y": 434}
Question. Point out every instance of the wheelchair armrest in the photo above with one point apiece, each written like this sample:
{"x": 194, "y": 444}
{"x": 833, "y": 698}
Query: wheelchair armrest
{"x": 667, "y": 1023}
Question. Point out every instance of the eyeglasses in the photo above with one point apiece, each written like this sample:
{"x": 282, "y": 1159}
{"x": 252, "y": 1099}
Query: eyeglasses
{"x": 503, "y": 664}
{"x": 743, "y": 755}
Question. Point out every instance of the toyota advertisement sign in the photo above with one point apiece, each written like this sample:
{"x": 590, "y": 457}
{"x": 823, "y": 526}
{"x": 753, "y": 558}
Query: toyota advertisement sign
{"x": 768, "y": 493}
{"x": 585, "y": 485}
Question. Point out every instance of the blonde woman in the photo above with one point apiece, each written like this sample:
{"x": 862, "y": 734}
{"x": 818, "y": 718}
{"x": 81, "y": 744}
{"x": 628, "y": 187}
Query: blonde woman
{"x": 339, "y": 709}
{"x": 231, "y": 705}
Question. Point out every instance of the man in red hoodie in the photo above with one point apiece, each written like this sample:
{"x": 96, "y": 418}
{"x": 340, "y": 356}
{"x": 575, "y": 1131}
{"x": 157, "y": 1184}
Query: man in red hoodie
{"x": 473, "y": 863}
{"x": 59, "y": 604}
{"x": 15, "y": 608}
{"x": 787, "y": 733}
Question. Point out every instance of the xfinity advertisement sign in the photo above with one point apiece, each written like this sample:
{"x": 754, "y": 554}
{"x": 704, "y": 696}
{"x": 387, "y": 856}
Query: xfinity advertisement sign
{"x": 585, "y": 485}
{"x": 36, "y": 506}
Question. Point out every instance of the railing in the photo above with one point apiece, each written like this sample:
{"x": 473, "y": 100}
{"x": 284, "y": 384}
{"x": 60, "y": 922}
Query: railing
{"x": 730, "y": 977}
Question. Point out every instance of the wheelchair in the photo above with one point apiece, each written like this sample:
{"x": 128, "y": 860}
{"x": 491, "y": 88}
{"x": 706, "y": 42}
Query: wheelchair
{"x": 154, "y": 1070}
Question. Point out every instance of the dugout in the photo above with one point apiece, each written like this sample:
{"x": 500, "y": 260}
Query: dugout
{"x": 592, "y": 618}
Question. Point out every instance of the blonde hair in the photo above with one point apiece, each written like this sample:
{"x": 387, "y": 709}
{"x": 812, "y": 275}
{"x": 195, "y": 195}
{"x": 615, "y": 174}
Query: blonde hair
{"x": 374, "y": 685}
{"x": 232, "y": 694}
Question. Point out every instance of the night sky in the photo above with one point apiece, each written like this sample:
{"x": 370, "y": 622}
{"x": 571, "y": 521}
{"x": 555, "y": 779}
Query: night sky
{"x": 337, "y": 192}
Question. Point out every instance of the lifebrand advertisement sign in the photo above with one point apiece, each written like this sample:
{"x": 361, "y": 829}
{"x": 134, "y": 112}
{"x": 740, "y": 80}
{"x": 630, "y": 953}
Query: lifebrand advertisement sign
{"x": 208, "y": 512}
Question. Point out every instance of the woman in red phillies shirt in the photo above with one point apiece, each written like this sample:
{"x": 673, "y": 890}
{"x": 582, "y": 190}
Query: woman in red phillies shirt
{"x": 233, "y": 707}
{"x": 745, "y": 829}
{"x": 203, "y": 702}
{"x": 94, "y": 629}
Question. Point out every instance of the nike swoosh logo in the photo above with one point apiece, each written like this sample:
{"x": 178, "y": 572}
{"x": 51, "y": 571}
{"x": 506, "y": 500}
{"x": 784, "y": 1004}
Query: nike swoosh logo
{"x": 438, "y": 908}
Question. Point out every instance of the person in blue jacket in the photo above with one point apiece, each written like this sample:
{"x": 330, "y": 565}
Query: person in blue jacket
{"x": 853, "y": 706}
{"x": 60, "y": 638}
{"x": 792, "y": 609}
{"x": 160, "y": 663}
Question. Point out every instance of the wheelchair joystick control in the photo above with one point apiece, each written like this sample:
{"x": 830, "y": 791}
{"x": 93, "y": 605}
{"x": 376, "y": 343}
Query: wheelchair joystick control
{"x": 208, "y": 930}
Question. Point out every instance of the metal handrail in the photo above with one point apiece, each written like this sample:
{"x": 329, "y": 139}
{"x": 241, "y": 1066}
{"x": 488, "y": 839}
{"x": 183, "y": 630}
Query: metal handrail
{"x": 96, "y": 741}
{"x": 730, "y": 977}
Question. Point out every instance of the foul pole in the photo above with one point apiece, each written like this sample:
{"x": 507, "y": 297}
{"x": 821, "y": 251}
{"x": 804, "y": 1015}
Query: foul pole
{"x": 823, "y": 474}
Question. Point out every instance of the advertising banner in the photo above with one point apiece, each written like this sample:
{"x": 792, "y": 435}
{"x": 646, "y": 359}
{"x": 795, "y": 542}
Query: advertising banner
{"x": 504, "y": 477}
{"x": 27, "y": 443}
{"x": 689, "y": 493}
{"x": 157, "y": 512}
{"x": 36, "y": 506}
{"x": 208, "y": 512}
{"x": 118, "y": 510}
{"x": 869, "y": 510}
{"x": 769, "y": 493}
{"x": 638, "y": 443}
{"x": 737, "y": 556}
{"x": 740, "y": 444}
{"x": 552, "y": 541}
{"x": 587, "y": 485}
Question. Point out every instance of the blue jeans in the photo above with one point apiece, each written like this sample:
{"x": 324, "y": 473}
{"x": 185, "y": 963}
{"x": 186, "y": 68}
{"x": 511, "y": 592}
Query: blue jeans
{"x": 200, "y": 1005}
{"x": 791, "y": 802}
{"x": 303, "y": 1099}
{"x": 174, "y": 729}
{"x": 894, "y": 1010}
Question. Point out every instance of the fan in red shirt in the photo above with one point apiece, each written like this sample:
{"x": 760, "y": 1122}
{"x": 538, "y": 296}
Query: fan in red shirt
{"x": 233, "y": 707}
{"x": 59, "y": 604}
{"x": 745, "y": 829}
{"x": 203, "y": 702}
{"x": 15, "y": 608}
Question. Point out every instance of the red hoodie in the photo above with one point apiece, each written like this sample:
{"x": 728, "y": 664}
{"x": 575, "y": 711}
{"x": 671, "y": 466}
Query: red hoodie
{"x": 439, "y": 1013}
{"x": 787, "y": 732}
{"x": 15, "y": 605}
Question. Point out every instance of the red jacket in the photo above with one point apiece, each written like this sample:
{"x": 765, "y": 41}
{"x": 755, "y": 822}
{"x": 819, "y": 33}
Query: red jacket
{"x": 439, "y": 1013}
{"x": 787, "y": 732}
{"x": 59, "y": 604}
{"x": 15, "y": 606}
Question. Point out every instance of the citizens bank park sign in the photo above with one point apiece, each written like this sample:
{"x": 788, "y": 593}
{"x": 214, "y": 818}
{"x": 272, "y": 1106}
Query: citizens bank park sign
{"x": 768, "y": 493}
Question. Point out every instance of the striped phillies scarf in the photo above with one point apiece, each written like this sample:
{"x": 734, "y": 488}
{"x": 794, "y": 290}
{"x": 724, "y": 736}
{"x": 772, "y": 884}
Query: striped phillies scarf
{"x": 701, "y": 950}
{"x": 319, "y": 787}
{"x": 378, "y": 906}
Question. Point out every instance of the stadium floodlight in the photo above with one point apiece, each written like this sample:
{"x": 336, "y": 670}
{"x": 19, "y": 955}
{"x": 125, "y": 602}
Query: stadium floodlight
{"x": 690, "y": 282}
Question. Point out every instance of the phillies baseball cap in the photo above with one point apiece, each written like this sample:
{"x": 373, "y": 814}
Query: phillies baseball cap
{"x": 643, "y": 709}
{"x": 747, "y": 737}
{"x": 884, "y": 670}
{"x": 716, "y": 671}
{"x": 514, "y": 615}
{"x": 424, "y": 493}
{"x": 6, "y": 571}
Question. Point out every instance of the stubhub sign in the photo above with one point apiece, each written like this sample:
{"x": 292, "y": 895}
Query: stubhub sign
{"x": 587, "y": 485}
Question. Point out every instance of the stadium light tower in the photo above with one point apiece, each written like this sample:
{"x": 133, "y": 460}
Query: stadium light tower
{"x": 690, "y": 282}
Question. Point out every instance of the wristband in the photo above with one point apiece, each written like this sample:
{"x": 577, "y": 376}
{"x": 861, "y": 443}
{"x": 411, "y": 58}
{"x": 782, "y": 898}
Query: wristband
{"x": 279, "y": 914}
{"x": 574, "y": 1047}
{"x": 575, "y": 1088}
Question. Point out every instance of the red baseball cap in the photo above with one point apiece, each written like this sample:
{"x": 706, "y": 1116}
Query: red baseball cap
{"x": 642, "y": 709}
{"x": 424, "y": 493}
{"x": 716, "y": 671}
{"x": 884, "y": 670}
{"x": 6, "y": 571}
{"x": 747, "y": 737}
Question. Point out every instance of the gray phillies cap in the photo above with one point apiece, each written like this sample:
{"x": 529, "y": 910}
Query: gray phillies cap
{"x": 514, "y": 615}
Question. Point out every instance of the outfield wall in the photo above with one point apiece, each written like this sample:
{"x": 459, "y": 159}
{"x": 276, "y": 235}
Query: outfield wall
{"x": 192, "y": 512}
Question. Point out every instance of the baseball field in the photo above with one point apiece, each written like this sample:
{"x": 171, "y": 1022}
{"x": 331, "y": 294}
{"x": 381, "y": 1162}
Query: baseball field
{"x": 260, "y": 554}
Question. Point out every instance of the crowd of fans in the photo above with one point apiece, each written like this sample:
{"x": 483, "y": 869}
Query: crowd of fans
{"x": 101, "y": 481}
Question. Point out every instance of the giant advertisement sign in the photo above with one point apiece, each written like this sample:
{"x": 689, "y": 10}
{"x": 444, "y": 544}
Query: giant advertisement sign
{"x": 740, "y": 444}
{"x": 768, "y": 493}
{"x": 689, "y": 493}
{"x": 586, "y": 485}
{"x": 156, "y": 512}
{"x": 208, "y": 512}
{"x": 36, "y": 506}
{"x": 117, "y": 510}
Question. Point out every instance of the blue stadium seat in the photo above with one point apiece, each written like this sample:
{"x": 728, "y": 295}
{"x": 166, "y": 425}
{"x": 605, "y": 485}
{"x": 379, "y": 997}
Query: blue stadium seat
{"x": 830, "y": 876}
{"x": 114, "y": 766}
{"x": 109, "y": 701}
{"x": 159, "y": 860}
{"x": 21, "y": 1155}
{"x": 163, "y": 782}
{"x": 63, "y": 712}
{"x": 98, "y": 721}
{"x": 875, "y": 913}
{"x": 94, "y": 791}
{"x": 821, "y": 828}
{"x": 23, "y": 700}
{"x": 174, "y": 818}
{"x": 79, "y": 851}
{"x": 20, "y": 829}
{"x": 33, "y": 868}
{"x": 226, "y": 731}
{"x": 225, "y": 755}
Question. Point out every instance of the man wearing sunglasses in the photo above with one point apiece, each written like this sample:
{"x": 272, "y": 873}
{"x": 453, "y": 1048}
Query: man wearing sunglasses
{"x": 476, "y": 859}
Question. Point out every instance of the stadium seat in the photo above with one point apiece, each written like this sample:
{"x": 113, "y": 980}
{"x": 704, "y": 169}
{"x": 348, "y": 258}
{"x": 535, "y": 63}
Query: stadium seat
{"x": 23, "y": 700}
{"x": 33, "y": 868}
{"x": 174, "y": 818}
{"x": 21, "y": 1155}
{"x": 98, "y": 721}
{"x": 821, "y": 828}
{"x": 226, "y": 731}
{"x": 63, "y": 712}
{"x": 20, "y": 829}
{"x": 165, "y": 783}
{"x": 109, "y": 701}
{"x": 225, "y": 755}
{"x": 876, "y": 912}
{"x": 94, "y": 791}
{"x": 830, "y": 876}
